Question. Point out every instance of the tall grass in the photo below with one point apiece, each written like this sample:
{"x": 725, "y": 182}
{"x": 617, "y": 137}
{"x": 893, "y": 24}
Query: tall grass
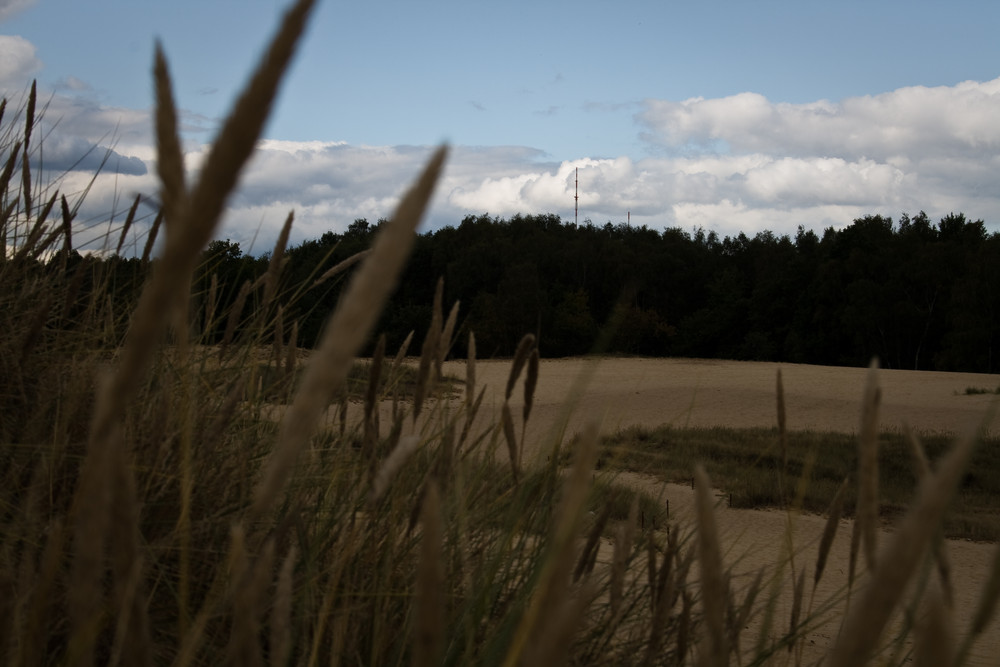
{"x": 169, "y": 502}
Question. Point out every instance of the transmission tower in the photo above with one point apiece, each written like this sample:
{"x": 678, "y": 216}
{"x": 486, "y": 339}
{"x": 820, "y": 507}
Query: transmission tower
{"x": 576, "y": 198}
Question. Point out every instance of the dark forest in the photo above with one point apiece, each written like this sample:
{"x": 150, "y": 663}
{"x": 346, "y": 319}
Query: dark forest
{"x": 915, "y": 294}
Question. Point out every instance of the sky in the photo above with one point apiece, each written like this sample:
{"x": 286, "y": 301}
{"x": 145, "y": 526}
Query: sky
{"x": 729, "y": 116}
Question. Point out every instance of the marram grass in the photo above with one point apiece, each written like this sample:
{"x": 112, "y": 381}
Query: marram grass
{"x": 164, "y": 501}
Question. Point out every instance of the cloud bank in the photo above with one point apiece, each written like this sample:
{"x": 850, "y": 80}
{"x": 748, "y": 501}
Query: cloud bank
{"x": 745, "y": 163}
{"x": 733, "y": 164}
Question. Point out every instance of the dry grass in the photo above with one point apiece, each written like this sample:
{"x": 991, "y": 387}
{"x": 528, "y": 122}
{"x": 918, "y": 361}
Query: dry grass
{"x": 152, "y": 513}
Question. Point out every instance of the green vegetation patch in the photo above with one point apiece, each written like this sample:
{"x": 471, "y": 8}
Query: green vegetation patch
{"x": 747, "y": 465}
{"x": 975, "y": 391}
{"x": 616, "y": 498}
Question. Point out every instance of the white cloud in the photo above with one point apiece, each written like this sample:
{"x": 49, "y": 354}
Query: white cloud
{"x": 770, "y": 165}
{"x": 729, "y": 218}
{"x": 792, "y": 182}
{"x": 18, "y": 62}
{"x": 915, "y": 121}
{"x": 734, "y": 164}
{"x": 330, "y": 184}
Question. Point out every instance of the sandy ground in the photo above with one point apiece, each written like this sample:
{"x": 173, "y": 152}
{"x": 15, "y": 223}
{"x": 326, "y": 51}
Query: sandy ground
{"x": 684, "y": 392}
{"x": 621, "y": 392}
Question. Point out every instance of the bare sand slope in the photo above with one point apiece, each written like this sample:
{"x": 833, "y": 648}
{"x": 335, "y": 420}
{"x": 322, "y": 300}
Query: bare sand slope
{"x": 685, "y": 392}
{"x": 651, "y": 392}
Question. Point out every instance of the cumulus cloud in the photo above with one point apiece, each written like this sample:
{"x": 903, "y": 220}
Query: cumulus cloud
{"x": 744, "y": 163}
{"x": 733, "y": 164}
{"x": 932, "y": 148}
{"x": 18, "y": 61}
{"x": 329, "y": 184}
{"x": 80, "y": 146}
{"x": 63, "y": 153}
{"x": 915, "y": 122}
{"x": 75, "y": 133}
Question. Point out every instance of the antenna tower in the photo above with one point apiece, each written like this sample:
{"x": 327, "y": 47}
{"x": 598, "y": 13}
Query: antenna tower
{"x": 576, "y": 198}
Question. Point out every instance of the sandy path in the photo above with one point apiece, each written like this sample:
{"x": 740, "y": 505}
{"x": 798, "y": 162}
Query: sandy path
{"x": 652, "y": 392}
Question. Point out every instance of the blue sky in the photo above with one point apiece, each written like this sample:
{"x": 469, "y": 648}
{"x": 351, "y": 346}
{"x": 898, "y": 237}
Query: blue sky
{"x": 733, "y": 116}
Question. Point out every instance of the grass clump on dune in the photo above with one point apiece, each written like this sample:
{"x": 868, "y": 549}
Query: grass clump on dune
{"x": 747, "y": 465}
{"x": 158, "y": 507}
{"x": 976, "y": 391}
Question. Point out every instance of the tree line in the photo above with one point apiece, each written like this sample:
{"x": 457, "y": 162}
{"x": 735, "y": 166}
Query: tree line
{"x": 915, "y": 294}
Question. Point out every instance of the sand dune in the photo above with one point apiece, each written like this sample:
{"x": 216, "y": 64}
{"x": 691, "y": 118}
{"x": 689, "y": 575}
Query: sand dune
{"x": 651, "y": 392}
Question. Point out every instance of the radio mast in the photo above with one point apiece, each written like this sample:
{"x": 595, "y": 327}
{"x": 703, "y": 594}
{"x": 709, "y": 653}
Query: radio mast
{"x": 576, "y": 198}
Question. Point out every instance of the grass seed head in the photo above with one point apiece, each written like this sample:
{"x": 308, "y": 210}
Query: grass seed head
{"x": 428, "y": 354}
{"x": 342, "y": 266}
{"x": 397, "y": 361}
{"x": 470, "y": 371}
{"x": 520, "y": 357}
{"x": 444, "y": 345}
{"x": 277, "y": 262}
{"x": 530, "y": 382}
{"x": 151, "y": 235}
{"x": 591, "y": 545}
{"x": 793, "y": 626}
{"x": 507, "y": 421}
{"x": 830, "y": 530}
{"x": 428, "y": 637}
{"x": 867, "y": 514}
{"x": 714, "y": 648}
